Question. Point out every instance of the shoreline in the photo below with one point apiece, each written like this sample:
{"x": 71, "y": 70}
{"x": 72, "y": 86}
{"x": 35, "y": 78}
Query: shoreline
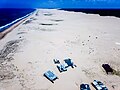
{"x": 6, "y": 31}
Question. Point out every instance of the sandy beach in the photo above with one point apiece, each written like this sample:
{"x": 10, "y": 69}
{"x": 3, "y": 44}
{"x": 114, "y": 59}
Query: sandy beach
{"x": 90, "y": 40}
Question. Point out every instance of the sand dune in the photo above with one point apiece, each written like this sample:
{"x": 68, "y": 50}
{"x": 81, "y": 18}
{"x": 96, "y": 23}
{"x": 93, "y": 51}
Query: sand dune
{"x": 89, "y": 40}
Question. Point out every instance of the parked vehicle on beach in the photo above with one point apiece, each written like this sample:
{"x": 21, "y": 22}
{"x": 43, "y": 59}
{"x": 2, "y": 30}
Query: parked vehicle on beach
{"x": 61, "y": 67}
{"x": 50, "y": 76}
{"x": 99, "y": 85}
{"x": 84, "y": 87}
{"x": 107, "y": 68}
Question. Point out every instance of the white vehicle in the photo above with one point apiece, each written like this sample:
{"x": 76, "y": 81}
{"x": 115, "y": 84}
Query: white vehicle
{"x": 99, "y": 85}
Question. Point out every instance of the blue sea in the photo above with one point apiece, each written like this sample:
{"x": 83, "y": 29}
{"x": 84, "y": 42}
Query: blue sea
{"x": 101, "y": 12}
{"x": 9, "y": 16}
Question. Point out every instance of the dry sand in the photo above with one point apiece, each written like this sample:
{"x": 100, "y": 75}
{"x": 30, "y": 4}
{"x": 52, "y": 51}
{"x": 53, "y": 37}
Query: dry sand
{"x": 89, "y": 40}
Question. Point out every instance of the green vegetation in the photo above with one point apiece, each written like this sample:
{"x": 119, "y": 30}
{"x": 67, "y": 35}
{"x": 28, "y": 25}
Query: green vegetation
{"x": 116, "y": 72}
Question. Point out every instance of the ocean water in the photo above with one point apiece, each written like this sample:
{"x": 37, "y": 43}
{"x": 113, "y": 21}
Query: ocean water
{"x": 101, "y": 12}
{"x": 8, "y": 15}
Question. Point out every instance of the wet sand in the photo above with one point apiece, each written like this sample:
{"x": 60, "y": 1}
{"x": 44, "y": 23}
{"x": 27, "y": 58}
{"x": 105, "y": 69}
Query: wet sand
{"x": 5, "y": 32}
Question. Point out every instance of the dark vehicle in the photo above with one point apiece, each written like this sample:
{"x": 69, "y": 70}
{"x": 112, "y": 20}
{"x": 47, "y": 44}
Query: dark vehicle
{"x": 84, "y": 87}
{"x": 107, "y": 68}
{"x": 69, "y": 62}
